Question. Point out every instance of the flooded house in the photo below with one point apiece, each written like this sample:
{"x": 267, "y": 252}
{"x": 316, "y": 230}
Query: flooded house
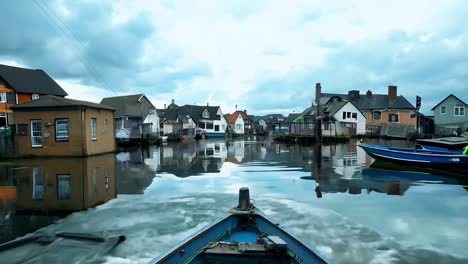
{"x": 57, "y": 126}
{"x": 236, "y": 124}
{"x": 20, "y": 85}
{"x": 135, "y": 117}
{"x": 388, "y": 114}
{"x": 450, "y": 116}
{"x": 190, "y": 120}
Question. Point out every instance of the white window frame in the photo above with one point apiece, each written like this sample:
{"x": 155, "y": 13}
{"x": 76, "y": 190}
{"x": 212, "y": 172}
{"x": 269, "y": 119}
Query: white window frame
{"x": 3, "y": 98}
{"x": 376, "y": 112}
{"x": 36, "y": 136}
{"x": 397, "y": 114}
{"x": 34, "y": 96}
{"x": 93, "y": 128}
{"x": 443, "y": 112}
{"x": 60, "y": 135}
{"x": 459, "y": 112}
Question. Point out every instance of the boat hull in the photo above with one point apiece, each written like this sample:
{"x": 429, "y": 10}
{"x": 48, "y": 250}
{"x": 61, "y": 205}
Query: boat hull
{"x": 438, "y": 160}
{"x": 201, "y": 247}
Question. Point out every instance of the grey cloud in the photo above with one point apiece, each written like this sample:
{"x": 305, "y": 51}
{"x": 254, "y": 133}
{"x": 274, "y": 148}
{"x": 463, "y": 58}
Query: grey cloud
{"x": 88, "y": 46}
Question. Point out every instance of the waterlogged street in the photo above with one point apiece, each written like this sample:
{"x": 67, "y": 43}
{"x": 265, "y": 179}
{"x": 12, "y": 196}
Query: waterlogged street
{"x": 333, "y": 197}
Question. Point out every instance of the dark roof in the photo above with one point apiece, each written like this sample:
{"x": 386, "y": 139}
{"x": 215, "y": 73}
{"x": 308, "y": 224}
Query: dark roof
{"x": 56, "y": 102}
{"x": 30, "y": 81}
{"x": 196, "y": 111}
{"x": 446, "y": 99}
{"x": 193, "y": 111}
{"x": 127, "y": 105}
{"x": 375, "y": 101}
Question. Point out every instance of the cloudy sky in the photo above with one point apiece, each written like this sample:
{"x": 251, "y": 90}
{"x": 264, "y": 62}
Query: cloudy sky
{"x": 263, "y": 56}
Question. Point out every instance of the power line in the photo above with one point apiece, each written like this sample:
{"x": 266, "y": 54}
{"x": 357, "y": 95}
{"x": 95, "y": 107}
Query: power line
{"x": 83, "y": 59}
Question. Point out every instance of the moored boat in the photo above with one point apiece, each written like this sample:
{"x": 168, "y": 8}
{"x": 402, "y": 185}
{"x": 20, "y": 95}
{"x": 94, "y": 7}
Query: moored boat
{"x": 448, "y": 161}
{"x": 245, "y": 235}
{"x": 442, "y": 144}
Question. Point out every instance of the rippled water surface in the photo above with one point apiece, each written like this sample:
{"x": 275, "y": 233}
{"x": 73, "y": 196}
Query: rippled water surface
{"x": 333, "y": 197}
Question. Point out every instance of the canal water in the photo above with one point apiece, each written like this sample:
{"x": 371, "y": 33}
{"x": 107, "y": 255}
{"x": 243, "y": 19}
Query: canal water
{"x": 333, "y": 197}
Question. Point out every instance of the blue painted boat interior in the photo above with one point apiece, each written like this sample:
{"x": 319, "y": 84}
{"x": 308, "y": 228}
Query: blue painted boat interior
{"x": 241, "y": 238}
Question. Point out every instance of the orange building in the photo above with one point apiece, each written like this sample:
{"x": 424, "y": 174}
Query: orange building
{"x": 57, "y": 126}
{"x": 19, "y": 85}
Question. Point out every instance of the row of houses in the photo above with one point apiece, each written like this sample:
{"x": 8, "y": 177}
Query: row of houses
{"x": 389, "y": 115}
{"x": 46, "y": 123}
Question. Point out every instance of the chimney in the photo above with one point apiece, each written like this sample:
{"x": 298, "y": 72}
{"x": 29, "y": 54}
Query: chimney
{"x": 353, "y": 95}
{"x": 245, "y": 111}
{"x": 369, "y": 94}
{"x": 318, "y": 92}
{"x": 236, "y": 107}
{"x": 172, "y": 100}
{"x": 207, "y": 104}
{"x": 392, "y": 92}
{"x": 164, "y": 106}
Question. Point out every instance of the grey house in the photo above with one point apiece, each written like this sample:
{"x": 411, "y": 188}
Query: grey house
{"x": 450, "y": 116}
{"x": 135, "y": 117}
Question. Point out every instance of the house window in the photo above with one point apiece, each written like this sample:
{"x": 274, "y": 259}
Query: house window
{"x": 344, "y": 115}
{"x": 238, "y": 126}
{"x": 209, "y": 125}
{"x": 38, "y": 184}
{"x": 34, "y": 96}
{"x": 93, "y": 129}
{"x": 459, "y": 111}
{"x": 3, "y": 98}
{"x": 393, "y": 118}
{"x": 63, "y": 186}
{"x": 442, "y": 110}
{"x": 348, "y": 114}
{"x": 206, "y": 114}
{"x": 134, "y": 124}
{"x": 36, "y": 133}
{"x": 376, "y": 115}
{"x": 61, "y": 129}
{"x": 216, "y": 128}
{"x": 355, "y": 115}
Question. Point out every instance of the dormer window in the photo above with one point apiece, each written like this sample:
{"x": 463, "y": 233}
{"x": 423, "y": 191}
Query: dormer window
{"x": 34, "y": 96}
{"x": 206, "y": 114}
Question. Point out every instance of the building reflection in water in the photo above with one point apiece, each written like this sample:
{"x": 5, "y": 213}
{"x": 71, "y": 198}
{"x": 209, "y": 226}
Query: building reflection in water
{"x": 334, "y": 168}
{"x": 47, "y": 189}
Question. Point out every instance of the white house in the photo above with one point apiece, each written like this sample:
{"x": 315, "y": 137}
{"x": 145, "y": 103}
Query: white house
{"x": 235, "y": 123}
{"x": 342, "y": 118}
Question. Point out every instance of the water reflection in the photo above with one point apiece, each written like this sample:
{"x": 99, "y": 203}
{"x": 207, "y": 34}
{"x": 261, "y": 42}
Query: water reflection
{"x": 43, "y": 190}
{"x": 335, "y": 168}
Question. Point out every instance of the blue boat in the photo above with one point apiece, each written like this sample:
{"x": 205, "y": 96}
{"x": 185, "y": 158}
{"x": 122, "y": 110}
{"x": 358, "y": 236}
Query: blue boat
{"x": 453, "y": 144}
{"x": 245, "y": 235}
{"x": 446, "y": 161}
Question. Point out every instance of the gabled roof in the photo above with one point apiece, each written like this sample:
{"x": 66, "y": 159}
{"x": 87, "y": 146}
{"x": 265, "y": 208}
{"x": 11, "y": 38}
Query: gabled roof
{"x": 231, "y": 118}
{"x": 127, "y": 105}
{"x": 193, "y": 111}
{"x": 196, "y": 112}
{"x": 373, "y": 102}
{"x": 446, "y": 99}
{"x": 30, "y": 81}
{"x": 49, "y": 102}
